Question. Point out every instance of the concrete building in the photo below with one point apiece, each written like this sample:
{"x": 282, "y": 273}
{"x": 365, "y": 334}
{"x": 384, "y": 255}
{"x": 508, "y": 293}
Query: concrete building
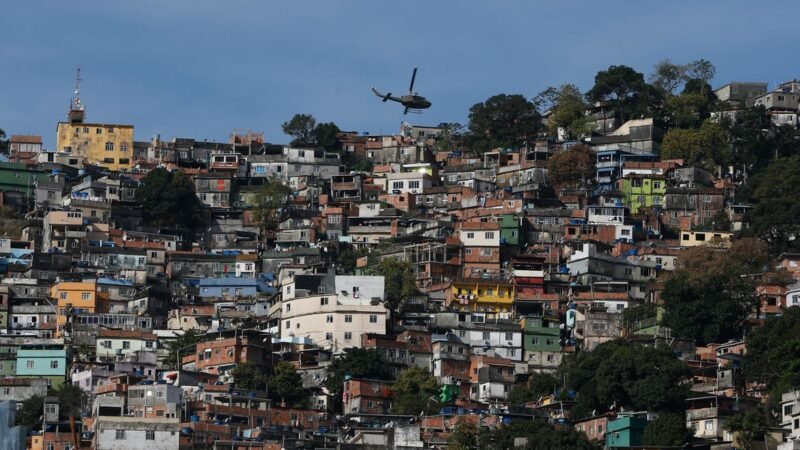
{"x": 333, "y": 311}
{"x": 12, "y": 437}
{"x": 136, "y": 433}
{"x": 107, "y": 145}
{"x": 63, "y": 231}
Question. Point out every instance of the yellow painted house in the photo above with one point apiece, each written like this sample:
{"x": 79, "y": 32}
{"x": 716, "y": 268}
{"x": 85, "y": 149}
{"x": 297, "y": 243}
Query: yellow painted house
{"x": 107, "y": 145}
{"x": 81, "y": 296}
{"x": 479, "y": 295}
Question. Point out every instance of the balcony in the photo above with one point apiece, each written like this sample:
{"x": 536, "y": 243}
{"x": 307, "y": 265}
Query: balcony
{"x": 702, "y": 413}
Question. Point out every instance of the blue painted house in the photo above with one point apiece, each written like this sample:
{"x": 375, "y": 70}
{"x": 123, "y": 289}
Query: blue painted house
{"x": 227, "y": 287}
{"x": 43, "y": 361}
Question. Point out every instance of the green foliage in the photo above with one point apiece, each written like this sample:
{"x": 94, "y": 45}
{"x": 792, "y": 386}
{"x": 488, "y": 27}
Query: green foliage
{"x": 668, "y": 76}
{"x": 747, "y": 427}
{"x": 268, "y": 210}
{"x": 11, "y": 222}
{"x": 626, "y": 90}
{"x": 363, "y": 165}
{"x": 519, "y": 395}
{"x": 668, "y": 430}
{"x": 301, "y": 128}
{"x": 286, "y": 385}
{"x": 712, "y": 310}
{"x": 306, "y": 132}
{"x": 168, "y": 199}
{"x": 567, "y": 107}
{"x": 708, "y": 146}
{"x": 71, "y": 399}
{"x": 348, "y": 257}
{"x": 776, "y": 212}
{"x": 634, "y": 314}
{"x": 688, "y": 110}
{"x": 451, "y": 137}
{"x": 357, "y": 363}
{"x": 539, "y": 434}
{"x": 502, "y": 121}
{"x": 181, "y": 344}
{"x": 415, "y": 392}
{"x": 573, "y": 167}
{"x": 463, "y": 437}
{"x": 248, "y": 376}
{"x": 3, "y": 142}
{"x": 399, "y": 282}
{"x": 773, "y": 354}
{"x": 30, "y": 412}
{"x": 629, "y": 375}
{"x": 541, "y": 384}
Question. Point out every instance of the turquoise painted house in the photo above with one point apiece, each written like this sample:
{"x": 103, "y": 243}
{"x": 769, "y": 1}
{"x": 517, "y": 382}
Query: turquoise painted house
{"x": 43, "y": 361}
{"x": 626, "y": 431}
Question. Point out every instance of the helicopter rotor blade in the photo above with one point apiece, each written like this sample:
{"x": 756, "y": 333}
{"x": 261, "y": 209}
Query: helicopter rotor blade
{"x": 413, "y": 77}
{"x": 406, "y": 111}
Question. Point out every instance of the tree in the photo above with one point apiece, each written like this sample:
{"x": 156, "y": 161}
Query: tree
{"x": 747, "y": 427}
{"x": 463, "y": 437}
{"x": 286, "y": 385}
{"x": 3, "y": 142}
{"x": 248, "y": 376}
{"x": 708, "y": 146}
{"x": 399, "y": 282}
{"x": 181, "y": 345}
{"x": 776, "y": 212}
{"x": 502, "y": 121}
{"x": 326, "y": 135}
{"x": 627, "y": 375}
{"x": 625, "y": 89}
{"x": 773, "y": 354}
{"x": 30, "y": 412}
{"x": 71, "y": 399}
{"x": 541, "y": 384}
{"x": 539, "y": 435}
{"x": 668, "y": 430}
{"x": 701, "y": 69}
{"x": 567, "y": 107}
{"x": 573, "y": 167}
{"x": 168, "y": 199}
{"x": 451, "y": 137}
{"x": 710, "y": 293}
{"x": 301, "y": 128}
{"x": 348, "y": 258}
{"x": 415, "y": 392}
{"x": 668, "y": 76}
{"x": 270, "y": 202}
{"x": 356, "y": 363}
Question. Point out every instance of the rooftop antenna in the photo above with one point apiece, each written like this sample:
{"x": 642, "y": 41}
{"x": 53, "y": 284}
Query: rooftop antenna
{"x": 76, "y": 109}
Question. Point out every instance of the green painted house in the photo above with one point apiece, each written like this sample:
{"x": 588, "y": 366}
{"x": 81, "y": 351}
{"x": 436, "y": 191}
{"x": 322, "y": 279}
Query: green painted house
{"x": 511, "y": 231}
{"x": 626, "y": 431}
{"x": 542, "y": 342}
{"x": 18, "y": 182}
{"x": 642, "y": 191}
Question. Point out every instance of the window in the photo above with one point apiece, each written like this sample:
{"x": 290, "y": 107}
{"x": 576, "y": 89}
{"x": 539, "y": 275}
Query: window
{"x": 98, "y": 131}
{"x": 288, "y": 307}
{"x": 709, "y": 425}
{"x": 320, "y": 289}
{"x": 625, "y": 232}
{"x": 413, "y": 184}
{"x": 86, "y": 295}
{"x": 535, "y": 341}
{"x": 126, "y": 344}
{"x": 150, "y": 435}
{"x": 328, "y": 336}
{"x": 788, "y": 409}
{"x": 62, "y": 296}
{"x": 486, "y": 252}
{"x": 120, "y": 433}
{"x": 54, "y": 364}
{"x": 397, "y": 185}
{"x": 323, "y": 301}
{"x": 29, "y": 364}
{"x": 288, "y": 324}
{"x": 470, "y": 235}
{"x": 485, "y": 335}
{"x": 148, "y": 344}
{"x": 348, "y": 318}
{"x": 329, "y": 318}
{"x": 550, "y": 341}
{"x": 700, "y": 237}
{"x": 348, "y": 335}
{"x": 123, "y": 147}
{"x": 489, "y": 235}
{"x": 373, "y": 318}
{"x": 512, "y": 352}
{"x": 656, "y": 185}
{"x": 109, "y": 146}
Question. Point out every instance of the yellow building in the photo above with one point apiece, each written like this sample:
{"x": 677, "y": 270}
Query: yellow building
{"x": 695, "y": 238}
{"x": 479, "y": 295}
{"x": 107, "y": 145}
{"x": 81, "y": 296}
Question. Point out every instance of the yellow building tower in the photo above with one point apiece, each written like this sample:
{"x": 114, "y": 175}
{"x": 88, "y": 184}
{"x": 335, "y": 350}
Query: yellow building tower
{"x": 103, "y": 144}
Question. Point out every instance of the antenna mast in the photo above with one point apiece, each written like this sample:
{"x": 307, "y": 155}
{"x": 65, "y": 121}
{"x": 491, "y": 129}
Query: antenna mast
{"x": 76, "y": 108}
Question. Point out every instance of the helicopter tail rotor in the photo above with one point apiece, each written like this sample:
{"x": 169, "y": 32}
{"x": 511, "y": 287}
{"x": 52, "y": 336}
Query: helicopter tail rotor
{"x": 386, "y": 97}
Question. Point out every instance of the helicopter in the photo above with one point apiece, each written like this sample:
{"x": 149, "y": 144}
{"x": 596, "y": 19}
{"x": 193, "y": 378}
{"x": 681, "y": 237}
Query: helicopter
{"x": 413, "y": 102}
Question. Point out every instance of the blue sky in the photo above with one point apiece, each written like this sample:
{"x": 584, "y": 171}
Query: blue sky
{"x": 193, "y": 68}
